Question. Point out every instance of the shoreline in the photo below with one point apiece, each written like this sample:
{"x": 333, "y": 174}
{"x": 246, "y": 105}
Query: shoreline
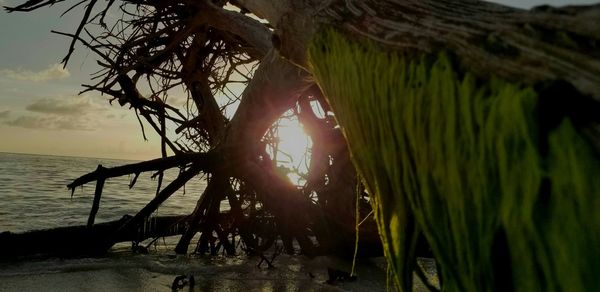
{"x": 122, "y": 270}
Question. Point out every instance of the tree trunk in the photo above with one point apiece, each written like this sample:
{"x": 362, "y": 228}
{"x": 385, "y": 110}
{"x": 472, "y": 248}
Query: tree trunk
{"x": 488, "y": 39}
{"x": 83, "y": 240}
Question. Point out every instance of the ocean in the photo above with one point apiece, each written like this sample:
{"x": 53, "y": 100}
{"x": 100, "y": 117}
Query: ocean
{"x": 33, "y": 195}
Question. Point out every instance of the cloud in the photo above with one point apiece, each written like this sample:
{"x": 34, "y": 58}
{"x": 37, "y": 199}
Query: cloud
{"x": 54, "y": 72}
{"x": 66, "y": 106}
{"x": 4, "y": 114}
{"x": 60, "y": 113}
{"x": 51, "y": 123}
{"x": 29, "y": 122}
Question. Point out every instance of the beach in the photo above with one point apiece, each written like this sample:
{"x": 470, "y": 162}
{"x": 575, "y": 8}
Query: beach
{"x": 121, "y": 270}
{"x": 35, "y": 197}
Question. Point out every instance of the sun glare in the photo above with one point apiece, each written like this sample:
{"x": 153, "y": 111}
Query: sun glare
{"x": 292, "y": 149}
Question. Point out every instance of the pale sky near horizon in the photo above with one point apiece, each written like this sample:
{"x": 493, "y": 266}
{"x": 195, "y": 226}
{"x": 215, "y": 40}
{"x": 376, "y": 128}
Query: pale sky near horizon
{"x": 40, "y": 111}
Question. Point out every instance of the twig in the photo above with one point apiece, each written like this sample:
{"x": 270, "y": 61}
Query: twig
{"x": 97, "y": 195}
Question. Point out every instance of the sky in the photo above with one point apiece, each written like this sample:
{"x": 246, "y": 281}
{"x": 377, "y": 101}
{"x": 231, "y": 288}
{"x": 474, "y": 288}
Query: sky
{"x": 40, "y": 109}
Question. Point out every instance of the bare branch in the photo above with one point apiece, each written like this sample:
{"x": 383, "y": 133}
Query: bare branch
{"x": 207, "y": 160}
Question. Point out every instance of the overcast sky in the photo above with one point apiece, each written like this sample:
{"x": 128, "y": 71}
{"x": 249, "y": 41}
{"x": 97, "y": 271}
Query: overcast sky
{"x": 40, "y": 111}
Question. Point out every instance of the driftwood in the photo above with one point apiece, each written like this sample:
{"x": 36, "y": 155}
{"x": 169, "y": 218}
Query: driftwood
{"x": 77, "y": 241}
{"x": 206, "y": 47}
{"x": 81, "y": 240}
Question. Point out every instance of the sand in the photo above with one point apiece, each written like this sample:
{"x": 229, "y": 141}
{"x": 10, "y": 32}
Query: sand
{"x": 123, "y": 271}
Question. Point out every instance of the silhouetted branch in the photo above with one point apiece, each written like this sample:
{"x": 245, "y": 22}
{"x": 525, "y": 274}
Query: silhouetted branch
{"x": 97, "y": 196}
{"x": 206, "y": 160}
{"x": 145, "y": 212}
{"x": 31, "y": 5}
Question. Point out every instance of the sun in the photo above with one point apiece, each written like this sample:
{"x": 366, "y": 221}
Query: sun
{"x": 292, "y": 148}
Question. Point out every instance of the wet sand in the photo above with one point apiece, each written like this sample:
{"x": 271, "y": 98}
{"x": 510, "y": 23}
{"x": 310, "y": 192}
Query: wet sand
{"x": 121, "y": 270}
{"x": 156, "y": 272}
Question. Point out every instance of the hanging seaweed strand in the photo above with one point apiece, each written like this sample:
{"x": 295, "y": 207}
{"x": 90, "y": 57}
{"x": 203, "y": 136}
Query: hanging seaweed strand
{"x": 458, "y": 159}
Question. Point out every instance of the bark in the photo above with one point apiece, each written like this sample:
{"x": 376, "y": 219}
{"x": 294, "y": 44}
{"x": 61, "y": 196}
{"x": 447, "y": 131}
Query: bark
{"x": 195, "y": 77}
{"x": 252, "y": 31}
{"x": 83, "y": 240}
{"x": 272, "y": 11}
{"x": 206, "y": 211}
{"x": 487, "y": 39}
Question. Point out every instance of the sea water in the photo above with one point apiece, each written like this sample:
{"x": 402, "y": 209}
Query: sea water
{"x": 33, "y": 195}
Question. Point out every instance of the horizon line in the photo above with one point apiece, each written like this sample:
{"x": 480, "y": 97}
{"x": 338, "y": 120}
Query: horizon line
{"x": 62, "y": 155}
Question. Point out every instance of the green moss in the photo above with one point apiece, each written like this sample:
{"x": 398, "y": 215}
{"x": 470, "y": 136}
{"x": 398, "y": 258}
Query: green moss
{"x": 458, "y": 160}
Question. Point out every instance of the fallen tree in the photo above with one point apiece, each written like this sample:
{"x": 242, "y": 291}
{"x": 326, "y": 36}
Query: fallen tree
{"x": 205, "y": 50}
{"x": 82, "y": 240}
{"x": 455, "y": 113}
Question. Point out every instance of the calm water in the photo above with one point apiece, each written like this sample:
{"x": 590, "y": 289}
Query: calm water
{"x": 33, "y": 195}
{"x": 33, "y": 192}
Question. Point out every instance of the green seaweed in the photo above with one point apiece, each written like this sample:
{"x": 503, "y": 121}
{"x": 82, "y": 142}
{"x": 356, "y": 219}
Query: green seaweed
{"x": 458, "y": 159}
